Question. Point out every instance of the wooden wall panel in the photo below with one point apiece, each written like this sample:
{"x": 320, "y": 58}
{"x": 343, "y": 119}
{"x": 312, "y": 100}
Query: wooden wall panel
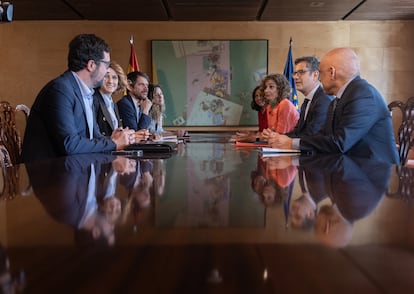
{"x": 32, "y": 53}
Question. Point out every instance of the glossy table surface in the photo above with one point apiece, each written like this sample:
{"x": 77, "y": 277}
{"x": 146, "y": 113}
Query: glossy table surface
{"x": 210, "y": 218}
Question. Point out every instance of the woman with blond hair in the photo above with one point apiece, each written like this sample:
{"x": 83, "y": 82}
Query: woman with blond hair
{"x": 107, "y": 114}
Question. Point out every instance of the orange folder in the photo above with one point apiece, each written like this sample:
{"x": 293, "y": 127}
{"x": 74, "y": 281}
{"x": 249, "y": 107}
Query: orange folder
{"x": 253, "y": 144}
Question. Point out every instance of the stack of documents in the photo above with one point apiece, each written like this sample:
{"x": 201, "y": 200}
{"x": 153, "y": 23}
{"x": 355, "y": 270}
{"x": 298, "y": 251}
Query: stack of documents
{"x": 172, "y": 138}
{"x": 267, "y": 151}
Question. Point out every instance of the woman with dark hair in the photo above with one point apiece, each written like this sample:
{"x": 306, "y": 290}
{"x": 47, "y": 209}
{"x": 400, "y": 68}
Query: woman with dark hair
{"x": 259, "y": 104}
{"x": 282, "y": 115}
{"x": 157, "y": 111}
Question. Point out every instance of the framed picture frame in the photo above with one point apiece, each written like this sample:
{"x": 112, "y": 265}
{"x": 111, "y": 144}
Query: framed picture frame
{"x": 209, "y": 82}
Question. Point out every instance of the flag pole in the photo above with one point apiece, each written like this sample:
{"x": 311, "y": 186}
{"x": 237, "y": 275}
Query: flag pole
{"x": 288, "y": 73}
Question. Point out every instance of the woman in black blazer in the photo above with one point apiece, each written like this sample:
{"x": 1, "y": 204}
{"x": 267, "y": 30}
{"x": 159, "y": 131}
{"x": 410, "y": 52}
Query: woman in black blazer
{"x": 107, "y": 114}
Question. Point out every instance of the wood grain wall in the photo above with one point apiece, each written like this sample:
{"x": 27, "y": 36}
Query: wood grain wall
{"x": 33, "y": 52}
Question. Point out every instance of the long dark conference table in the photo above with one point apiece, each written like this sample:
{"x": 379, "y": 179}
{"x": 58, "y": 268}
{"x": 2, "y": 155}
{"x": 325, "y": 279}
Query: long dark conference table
{"x": 210, "y": 218}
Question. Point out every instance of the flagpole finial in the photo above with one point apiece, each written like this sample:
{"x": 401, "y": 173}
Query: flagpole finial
{"x": 131, "y": 39}
{"x": 290, "y": 41}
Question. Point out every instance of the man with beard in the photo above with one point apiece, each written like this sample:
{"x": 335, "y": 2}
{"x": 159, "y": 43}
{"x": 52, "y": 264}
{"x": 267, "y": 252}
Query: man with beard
{"x": 135, "y": 106}
{"x": 62, "y": 120}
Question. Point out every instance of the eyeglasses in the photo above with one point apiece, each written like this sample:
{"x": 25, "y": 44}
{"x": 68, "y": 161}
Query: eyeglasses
{"x": 300, "y": 72}
{"x": 107, "y": 63}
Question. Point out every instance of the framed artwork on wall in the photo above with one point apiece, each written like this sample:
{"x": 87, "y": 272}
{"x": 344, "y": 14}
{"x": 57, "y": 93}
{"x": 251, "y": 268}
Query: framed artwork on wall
{"x": 209, "y": 82}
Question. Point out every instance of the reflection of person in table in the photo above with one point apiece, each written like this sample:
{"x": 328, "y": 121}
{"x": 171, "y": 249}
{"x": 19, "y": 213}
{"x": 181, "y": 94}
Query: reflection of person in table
{"x": 280, "y": 174}
{"x": 73, "y": 198}
{"x": 354, "y": 185}
{"x": 218, "y": 193}
{"x": 139, "y": 185}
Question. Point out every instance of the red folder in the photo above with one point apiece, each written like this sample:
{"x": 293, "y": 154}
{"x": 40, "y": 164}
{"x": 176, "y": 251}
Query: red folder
{"x": 253, "y": 144}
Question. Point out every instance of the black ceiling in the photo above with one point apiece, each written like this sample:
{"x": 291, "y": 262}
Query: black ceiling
{"x": 213, "y": 10}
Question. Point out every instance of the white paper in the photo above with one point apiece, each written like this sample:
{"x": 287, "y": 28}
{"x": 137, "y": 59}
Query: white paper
{"x": 268, "y": 150}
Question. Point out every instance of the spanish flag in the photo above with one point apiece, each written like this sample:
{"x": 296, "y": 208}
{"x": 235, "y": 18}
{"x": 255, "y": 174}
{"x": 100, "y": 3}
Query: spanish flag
{"x": 133, "y": 61}
{"x": 288, "y": 73}
{"x": 154, "y": 73}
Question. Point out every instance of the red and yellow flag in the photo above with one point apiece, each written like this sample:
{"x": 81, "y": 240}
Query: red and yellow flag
{"x": 154, "y": 73}
{"x": 133, "y": 61}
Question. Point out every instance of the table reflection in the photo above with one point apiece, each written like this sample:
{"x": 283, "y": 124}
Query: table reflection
{"x": 273, "y": 179}
{"x": 211, "y": 213}
{"x": 336, "y": 191}
{"x": 209, "y": 186}
{"x": 80, "y": 191}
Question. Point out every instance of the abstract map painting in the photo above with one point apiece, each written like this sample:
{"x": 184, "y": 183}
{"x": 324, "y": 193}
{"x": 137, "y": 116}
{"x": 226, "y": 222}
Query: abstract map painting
{"x": 209, "y": 82}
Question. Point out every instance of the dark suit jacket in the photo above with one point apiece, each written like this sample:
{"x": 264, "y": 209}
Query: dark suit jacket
{"x": 128, "y": 180}
{"x": 57, "y": 123}
{"x": 129, "y": 116}
{"x": 103, "y": 117}
{"x": 61, "y": 184}
{"x": 356, "y": 185}
{"x": 314, "y": 183}
{"x": 362, "y": 126}
{"x": 315, "y": 120}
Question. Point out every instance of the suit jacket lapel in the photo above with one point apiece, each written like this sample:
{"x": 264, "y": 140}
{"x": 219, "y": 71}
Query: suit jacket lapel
{"x": 118, "y": 117}
{"x": 79, "y": 97}
{"x": 133, "y": 106}
{"x": 105, "y": 111}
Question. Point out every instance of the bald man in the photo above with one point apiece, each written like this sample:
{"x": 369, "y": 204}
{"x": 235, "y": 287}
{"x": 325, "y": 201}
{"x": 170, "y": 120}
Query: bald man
{"x": 358, "y": 122}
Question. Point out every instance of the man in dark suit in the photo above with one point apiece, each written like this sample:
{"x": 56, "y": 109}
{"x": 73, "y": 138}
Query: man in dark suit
{"x": 135, "y": 106}
{"x": 316, "y": 103}
{"x": 73, "y": 199}
{"x": 62, "y": 120}
{"x": 355, "y": 186}
{"x": 358, "y": 123}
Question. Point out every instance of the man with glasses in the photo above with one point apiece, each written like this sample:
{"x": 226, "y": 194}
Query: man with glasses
{"x": 358, "y": 121}
{"x": 62, "y": 120}
{"x": 316, "y": 103}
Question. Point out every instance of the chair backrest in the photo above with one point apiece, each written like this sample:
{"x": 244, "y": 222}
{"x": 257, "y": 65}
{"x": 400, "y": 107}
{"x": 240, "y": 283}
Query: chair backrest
{"x": 405, "y": 138}
{"x": 9, "y": 133}
{"x": 404, "y": 189}
{"x": 10, "y": 148}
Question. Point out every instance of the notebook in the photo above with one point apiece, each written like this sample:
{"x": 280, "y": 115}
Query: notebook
{"x": 153, "y": 147}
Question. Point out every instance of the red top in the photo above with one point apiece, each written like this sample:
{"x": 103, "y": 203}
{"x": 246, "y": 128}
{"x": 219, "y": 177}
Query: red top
{"x": 262, "y": 118}
{"x": 283, "y": 117}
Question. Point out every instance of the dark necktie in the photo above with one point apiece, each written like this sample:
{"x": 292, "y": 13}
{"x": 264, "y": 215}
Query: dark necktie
{"x": 329, "y": 126}
{"x": 301, "y": 180}
{"x": 302, "y": 113}
{"x": 303, "y": 109}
